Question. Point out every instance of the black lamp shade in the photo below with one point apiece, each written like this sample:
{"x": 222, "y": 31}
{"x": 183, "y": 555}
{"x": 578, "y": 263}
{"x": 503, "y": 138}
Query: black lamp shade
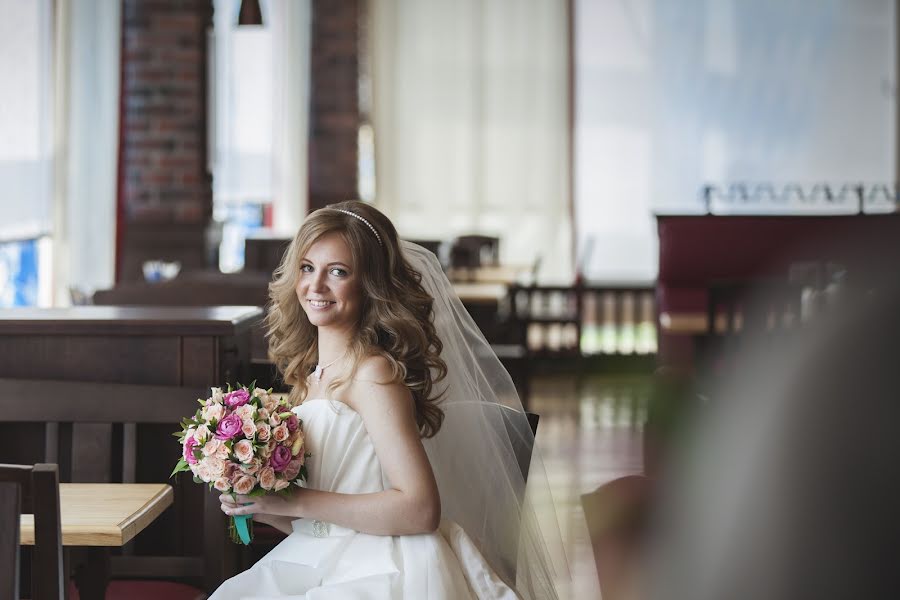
{"x": 250, "y": 13}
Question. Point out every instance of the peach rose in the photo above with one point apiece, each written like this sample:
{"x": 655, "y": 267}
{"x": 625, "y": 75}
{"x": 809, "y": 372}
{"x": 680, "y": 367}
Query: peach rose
{"x": 243, "y": 451}
{"x": 216, "y": 466}
{"x": 270, "y": 445}
{"x": 201, "y": 433}
{"x": 223, "y": 452}
{"x": 229, "y": 469}
{"x": 281, "y": 433}
{"x": 244, "y": 484}
{"x": 248, "y": 428}
{"x": 275, "y": 419}
{"x": 252, "y": 467}
{"x": 214, "y": 412}
{"x": 217, "y": 395}
{"x": 222, "y": 484}
{"x": 262, "y": 414}
{"x": 281, "y": 484}
{"x": 262, "y": 431}
{"x": 245, "y": 412}
{"x": 203, "y": 472}
{"x": 267, "y": 478}
{"x": 211, "y": 447}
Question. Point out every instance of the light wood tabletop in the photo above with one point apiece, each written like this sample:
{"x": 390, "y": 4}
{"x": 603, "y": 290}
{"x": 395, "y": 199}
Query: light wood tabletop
{"x": 104, "y": 514}
{"x": 480, "y": 293}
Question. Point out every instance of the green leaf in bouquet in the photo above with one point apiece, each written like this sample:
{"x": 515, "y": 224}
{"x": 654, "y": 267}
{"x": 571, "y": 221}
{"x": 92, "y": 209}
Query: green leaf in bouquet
{"x": 197, "y": 479}
{"x": 180, "y": 466}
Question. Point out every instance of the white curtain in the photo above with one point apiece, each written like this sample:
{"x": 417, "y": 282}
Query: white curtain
{"x": 88, "y": 42}
{"x": 291, "y": 23}
{"x": 470, "y": 113}
{"x": 26, "y": 119}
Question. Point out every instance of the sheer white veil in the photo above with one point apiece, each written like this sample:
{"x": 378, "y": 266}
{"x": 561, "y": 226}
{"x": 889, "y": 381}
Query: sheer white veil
{"x": 480, "y": 456}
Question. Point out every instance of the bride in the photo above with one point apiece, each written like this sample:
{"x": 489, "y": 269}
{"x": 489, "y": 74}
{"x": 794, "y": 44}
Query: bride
{"x": 416, "y": 483}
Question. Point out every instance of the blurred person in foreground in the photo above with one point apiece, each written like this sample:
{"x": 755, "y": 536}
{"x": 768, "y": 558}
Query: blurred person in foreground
{"x": 790, "y": 487}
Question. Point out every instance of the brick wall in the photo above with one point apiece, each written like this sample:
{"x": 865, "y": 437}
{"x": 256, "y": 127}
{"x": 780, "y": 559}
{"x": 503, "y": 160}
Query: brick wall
{"x": 165, "y": 190}
{"x": 334, "y": 103}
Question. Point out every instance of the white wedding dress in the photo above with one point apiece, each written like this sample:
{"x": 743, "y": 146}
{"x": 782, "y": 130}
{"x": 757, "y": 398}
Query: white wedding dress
{"x": 320, "y": 560}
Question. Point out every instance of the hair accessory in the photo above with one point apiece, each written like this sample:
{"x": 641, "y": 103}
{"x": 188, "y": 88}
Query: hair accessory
{"x": 369, "y": 225}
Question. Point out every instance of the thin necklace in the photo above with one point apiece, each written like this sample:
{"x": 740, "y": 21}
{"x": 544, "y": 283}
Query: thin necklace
{"x": 320, "y": 368}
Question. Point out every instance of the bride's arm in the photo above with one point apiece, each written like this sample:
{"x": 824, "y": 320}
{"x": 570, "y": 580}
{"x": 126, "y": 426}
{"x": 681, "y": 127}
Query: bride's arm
{"x": 411, "y": 506}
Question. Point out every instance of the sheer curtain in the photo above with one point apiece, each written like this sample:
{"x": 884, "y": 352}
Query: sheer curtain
{"x": 259, "y": 111}
{"x": 291, "y": 22}
{"x": 89, "y": 38}
{"x": 470, "y": 116}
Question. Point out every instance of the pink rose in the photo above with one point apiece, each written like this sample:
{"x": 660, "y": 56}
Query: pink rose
{"x": 236, "y": 398}
{"x": 262, "y": 431}
{"x": 229, "y": 469}
{"x": 228, "y": 427}
{"x": 274, "y": 420}
{"x": 280, "y": 485}
{"x": 189, "y": 444}
{"x": 280, "y": 433}
{"x": 248, "y": 428}
{"x": 292, "y": 470}
{"x": 293, "y": 423}
{"x": 222, "y": 484}
{"x": 280, "y": 458}
{"x": 267, "y": 478}
{"x": 243, "y": 451}
{"x": 244, "y": 484}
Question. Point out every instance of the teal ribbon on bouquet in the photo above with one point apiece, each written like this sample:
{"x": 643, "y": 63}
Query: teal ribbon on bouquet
{"x": 243, "y": 529}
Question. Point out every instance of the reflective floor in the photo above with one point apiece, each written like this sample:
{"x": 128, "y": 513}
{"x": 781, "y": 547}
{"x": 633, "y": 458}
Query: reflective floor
{"x": 589, "y": 433}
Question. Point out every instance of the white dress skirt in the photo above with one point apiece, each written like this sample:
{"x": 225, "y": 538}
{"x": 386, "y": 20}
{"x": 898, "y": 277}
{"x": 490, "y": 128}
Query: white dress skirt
{"x": 321, "y": 560}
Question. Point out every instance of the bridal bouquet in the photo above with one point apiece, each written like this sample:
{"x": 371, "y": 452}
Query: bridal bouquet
{"x": 243, "y": 441}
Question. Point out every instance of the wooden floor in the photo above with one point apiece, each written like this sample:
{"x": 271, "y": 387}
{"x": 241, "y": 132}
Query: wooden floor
{"x": 589, "y": 433}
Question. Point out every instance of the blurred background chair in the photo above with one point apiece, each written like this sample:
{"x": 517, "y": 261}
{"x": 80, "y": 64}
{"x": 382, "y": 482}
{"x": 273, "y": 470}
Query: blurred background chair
{"x": 26, "y": 489}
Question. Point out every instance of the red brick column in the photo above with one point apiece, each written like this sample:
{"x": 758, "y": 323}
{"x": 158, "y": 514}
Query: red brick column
{"x": 165, "y": 191}
{"x": 334, "y": 102}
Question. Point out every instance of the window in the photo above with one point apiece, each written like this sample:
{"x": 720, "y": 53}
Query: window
{"x": 26, "y": 151}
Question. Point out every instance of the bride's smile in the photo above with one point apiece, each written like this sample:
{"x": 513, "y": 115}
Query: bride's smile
{"x": 328, "y": 288}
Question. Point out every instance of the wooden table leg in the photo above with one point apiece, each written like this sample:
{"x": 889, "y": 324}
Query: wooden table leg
{"x": 92, "y": 575}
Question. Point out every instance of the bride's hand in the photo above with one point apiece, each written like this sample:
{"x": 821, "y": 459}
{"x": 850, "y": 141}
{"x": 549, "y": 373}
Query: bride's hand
{"x": 270, "y": 504}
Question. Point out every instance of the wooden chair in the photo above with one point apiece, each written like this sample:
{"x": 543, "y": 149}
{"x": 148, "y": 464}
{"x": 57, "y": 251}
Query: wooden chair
{"x": 83, "y": 420}
{"x": 31, "y": 490}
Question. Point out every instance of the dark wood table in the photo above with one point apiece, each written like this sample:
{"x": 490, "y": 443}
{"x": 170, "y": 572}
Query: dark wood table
{"x": 108, "y": 349}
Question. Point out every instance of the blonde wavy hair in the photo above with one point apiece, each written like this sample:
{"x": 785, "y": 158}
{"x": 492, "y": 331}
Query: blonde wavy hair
{"x": 396, "y": 320}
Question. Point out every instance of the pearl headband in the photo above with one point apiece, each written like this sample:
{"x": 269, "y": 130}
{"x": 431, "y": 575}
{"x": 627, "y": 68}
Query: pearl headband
{"x": 369, "y": 225}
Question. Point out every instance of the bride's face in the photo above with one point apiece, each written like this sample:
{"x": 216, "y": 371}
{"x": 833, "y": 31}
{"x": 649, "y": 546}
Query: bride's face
{"x": 329, "y": 290}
